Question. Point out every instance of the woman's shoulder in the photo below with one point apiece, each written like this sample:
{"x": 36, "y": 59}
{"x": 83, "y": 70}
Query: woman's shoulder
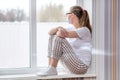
{"x": 83, "y": 31}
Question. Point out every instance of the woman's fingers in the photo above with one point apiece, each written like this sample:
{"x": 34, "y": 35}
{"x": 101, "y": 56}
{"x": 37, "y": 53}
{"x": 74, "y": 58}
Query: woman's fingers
{"x": 64, "y": 32}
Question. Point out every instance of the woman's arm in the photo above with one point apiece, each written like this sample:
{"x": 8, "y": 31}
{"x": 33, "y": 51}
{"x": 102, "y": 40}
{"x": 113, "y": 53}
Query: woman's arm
{"x": 53, "y": 31}
{"x": 66, "y": 34}
{"x": 61, "y": 32}
{"x": 72, "y": 34}
{"x": 58, "y": 30}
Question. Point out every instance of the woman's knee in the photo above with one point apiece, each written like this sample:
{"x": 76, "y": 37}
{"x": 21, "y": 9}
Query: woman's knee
{"x": 57, "y": 38}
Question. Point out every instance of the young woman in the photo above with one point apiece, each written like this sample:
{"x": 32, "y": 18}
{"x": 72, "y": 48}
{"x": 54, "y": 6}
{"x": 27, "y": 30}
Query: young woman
{"x": 76, "y": 52}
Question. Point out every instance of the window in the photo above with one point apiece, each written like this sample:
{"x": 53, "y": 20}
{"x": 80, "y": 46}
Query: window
{"x": 14, "y": 34}
{"x": 21, "y": 48}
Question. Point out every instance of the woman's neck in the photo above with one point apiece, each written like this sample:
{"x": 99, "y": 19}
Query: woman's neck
{"x": 77, "y": 25}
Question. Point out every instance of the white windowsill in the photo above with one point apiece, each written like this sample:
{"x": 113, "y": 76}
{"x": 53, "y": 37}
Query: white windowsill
{"x": 68, "y": 76}
{"x": 18, "y": 76}
{"x": 35, "y": 77}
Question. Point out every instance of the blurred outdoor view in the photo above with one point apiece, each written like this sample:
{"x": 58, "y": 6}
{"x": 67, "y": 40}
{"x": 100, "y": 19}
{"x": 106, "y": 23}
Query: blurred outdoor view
{"x": 14, "y": 29}
{"x": 14, "y": 34}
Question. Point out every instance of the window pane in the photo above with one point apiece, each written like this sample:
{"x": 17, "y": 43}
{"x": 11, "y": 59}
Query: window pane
{"x": 14, "y": 33}
{"x": 50, "y": 13}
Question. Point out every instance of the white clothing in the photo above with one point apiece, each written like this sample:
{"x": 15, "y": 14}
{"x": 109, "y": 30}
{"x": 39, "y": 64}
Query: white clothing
{"x": 82, "y": 46}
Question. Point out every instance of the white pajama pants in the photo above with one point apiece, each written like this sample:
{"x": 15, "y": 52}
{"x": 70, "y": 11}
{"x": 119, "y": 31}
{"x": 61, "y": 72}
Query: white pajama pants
{"x": 60, "y": 49}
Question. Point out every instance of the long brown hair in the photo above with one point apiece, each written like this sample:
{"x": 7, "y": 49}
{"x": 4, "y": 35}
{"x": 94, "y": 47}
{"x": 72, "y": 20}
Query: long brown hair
{"x": 82, "y": 15}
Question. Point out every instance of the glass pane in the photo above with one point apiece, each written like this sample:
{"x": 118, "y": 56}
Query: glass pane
{"x": 14, "y": 33}
{"x": 50, "y": 13}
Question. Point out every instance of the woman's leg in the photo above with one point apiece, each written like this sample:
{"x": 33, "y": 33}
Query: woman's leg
{"x": 54, "y": 53}
{"x": 50, "y": 41}
{"x": 70, "y": 59}
{"x": 54, "y": 50}
{"x": 62, "y": 49}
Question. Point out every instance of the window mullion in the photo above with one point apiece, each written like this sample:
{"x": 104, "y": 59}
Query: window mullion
{"x": 33, "y": 58}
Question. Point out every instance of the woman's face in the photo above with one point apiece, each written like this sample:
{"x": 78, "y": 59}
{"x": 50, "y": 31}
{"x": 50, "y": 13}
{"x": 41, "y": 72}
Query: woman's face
{"x": 69, "y": 17}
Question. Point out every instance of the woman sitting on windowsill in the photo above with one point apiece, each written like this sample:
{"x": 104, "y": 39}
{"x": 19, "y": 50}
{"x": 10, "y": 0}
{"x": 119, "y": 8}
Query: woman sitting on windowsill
{"x": 76, "y": 52}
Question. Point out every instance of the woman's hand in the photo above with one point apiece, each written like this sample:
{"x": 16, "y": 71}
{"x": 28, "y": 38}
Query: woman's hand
{"x": 62, "y": 32}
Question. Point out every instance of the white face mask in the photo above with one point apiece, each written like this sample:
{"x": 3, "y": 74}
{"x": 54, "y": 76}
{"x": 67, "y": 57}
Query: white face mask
{"x": 69, "y": 21}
